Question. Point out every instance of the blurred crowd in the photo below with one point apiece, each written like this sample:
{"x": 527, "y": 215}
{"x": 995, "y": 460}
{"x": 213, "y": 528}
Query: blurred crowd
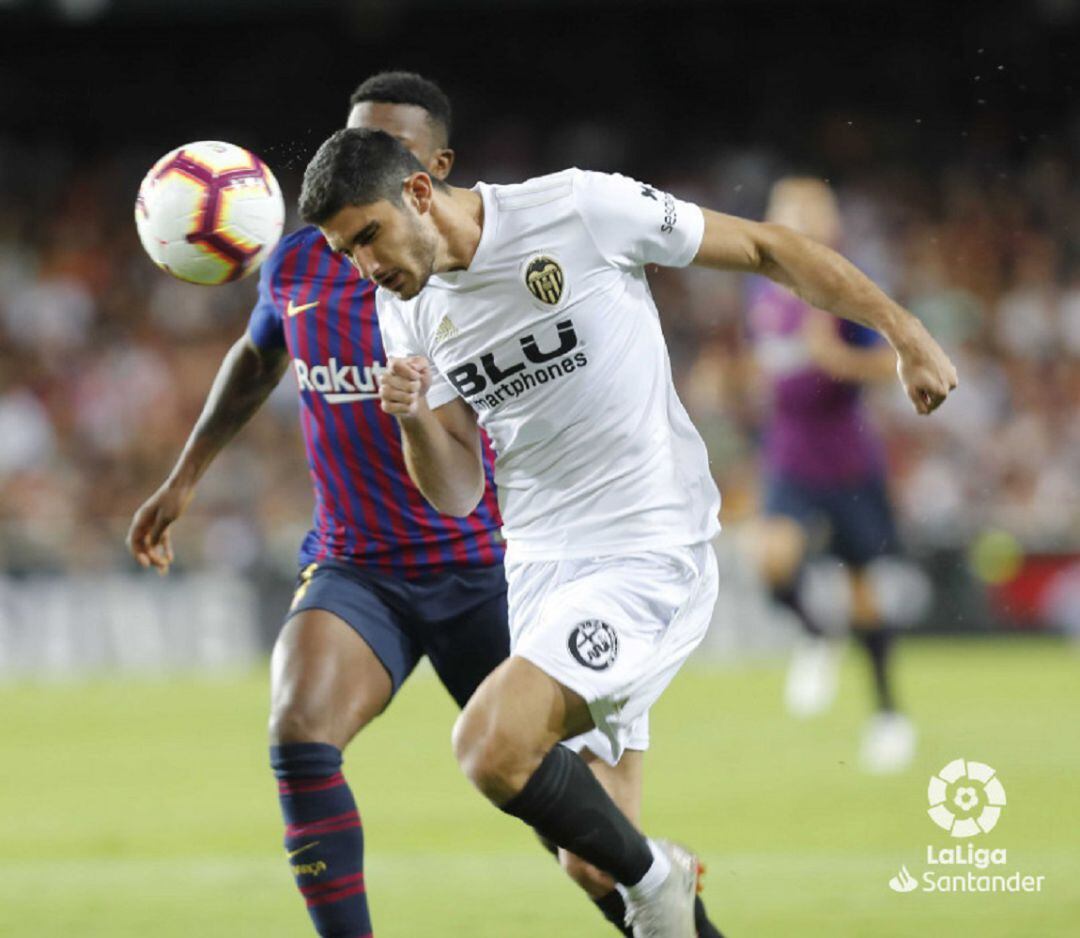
{"x": 105, "y": 361}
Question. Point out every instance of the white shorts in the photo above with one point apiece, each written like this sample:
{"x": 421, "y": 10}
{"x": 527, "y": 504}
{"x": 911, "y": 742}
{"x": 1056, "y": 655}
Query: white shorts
{"x": 613, "y": 629}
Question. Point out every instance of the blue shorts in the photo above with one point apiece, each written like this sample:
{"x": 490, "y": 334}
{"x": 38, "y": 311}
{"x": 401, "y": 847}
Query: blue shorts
{"x": 457, "y": 618}
{"x": 852, "y": 522}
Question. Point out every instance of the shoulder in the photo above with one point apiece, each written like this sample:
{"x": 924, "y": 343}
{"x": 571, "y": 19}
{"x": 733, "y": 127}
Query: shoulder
{"x": 292, "y": 248}
{"x": 541, "y": 190}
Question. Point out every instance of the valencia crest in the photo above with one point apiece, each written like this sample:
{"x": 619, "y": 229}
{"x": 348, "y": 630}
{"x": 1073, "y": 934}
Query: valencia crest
{"x": 545, "y": 280}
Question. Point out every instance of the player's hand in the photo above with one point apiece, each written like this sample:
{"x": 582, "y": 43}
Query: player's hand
{"x": 148, "y": 537}
{"x": 925, "y": 370}
{"x": 404, "y": 385}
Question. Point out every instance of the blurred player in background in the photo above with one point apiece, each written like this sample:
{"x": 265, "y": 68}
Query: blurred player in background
{"x": 824, "y": 476}
{"x": 525, "y": 310}
{"x": 384, "y": 578}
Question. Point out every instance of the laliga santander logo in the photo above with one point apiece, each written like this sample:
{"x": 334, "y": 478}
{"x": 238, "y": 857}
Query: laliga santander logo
{"x": 965, "y": 798}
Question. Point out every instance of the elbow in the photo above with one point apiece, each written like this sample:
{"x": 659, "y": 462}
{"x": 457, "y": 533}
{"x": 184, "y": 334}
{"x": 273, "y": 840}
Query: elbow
{"x": 768, "y": 244}
{"x": 460, "y": 501}
{"x": 461, "y": 506}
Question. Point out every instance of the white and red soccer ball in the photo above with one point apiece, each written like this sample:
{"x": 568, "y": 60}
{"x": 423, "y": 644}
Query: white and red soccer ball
{"x": 209, "y": 212}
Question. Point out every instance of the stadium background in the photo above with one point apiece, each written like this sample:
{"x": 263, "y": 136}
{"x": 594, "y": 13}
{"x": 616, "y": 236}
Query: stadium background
{"x": 952, "y": 134}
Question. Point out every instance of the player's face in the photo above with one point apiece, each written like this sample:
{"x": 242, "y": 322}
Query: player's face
{"x": 390, "y": 244}
{"x": 410, "y": 126}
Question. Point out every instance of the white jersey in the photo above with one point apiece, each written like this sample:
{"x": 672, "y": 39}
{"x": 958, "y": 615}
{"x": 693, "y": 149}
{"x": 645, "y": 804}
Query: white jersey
{"x": 552, "y": 337}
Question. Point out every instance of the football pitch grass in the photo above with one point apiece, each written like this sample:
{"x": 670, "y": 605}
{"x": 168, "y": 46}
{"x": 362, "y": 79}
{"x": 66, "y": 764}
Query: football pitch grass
{"x": 132, "y": 808}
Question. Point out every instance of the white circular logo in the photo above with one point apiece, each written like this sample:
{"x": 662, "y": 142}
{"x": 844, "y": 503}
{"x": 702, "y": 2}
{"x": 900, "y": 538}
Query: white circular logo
{"x": 965, "y": 798}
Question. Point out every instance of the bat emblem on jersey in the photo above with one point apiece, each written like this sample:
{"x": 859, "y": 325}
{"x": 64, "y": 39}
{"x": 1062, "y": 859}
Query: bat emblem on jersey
{"x": 544, "y": 278}
{"x": 291, "y": 310}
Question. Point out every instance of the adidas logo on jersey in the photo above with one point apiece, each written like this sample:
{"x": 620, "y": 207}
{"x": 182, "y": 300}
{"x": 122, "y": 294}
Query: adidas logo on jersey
{"x": 446, "y": 330}
{"x": 340, "y": 384}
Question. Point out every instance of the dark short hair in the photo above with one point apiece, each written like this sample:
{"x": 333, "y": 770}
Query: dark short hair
{"x": 356, "y": 167}
{"x": 407, "y": 88}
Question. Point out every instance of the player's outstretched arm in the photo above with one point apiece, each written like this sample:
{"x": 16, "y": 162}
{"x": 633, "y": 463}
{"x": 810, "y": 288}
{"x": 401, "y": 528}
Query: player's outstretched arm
{"x": 245, "y": 379}
{"x": 828, "y": 281}
{"x": 441, "y": 446}
{"x": 842, "y": 361}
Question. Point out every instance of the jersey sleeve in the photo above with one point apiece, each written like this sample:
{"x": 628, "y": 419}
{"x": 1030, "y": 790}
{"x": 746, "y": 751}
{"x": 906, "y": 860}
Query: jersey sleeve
{"x": 634, "y": 224}
{"x": 266, "y": 326}
{"x": 858, "y": 335}
{"x": 400, "y": 341}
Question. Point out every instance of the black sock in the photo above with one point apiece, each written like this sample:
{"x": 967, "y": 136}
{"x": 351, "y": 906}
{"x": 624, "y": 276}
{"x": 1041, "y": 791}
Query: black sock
{"x": 611, "y": 906}
{"x": 878, "y": 644}
{"x": 788, "y": 597}
{"x": 705, "y": 928}
{"x": 565, "y": 803}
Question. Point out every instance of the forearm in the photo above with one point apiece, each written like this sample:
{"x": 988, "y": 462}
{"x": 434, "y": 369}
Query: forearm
{"x": 245, "y": 379}
{"x": 828, "y": 281}
{"x": 818, "y": 274}
{"x": 446, "y": 468}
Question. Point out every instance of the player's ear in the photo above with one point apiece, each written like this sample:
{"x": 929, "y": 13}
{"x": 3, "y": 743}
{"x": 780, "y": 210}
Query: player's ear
{"x": 441, "y": 162}
{"x": 417, "y": 190}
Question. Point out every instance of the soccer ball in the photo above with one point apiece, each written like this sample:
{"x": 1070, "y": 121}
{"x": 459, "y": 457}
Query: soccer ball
{"x": 209, "y": 212}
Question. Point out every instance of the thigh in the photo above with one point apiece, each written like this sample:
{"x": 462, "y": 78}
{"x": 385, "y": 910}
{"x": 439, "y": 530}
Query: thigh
{"x": 614, "y": 630}
{"x": 371, "y": 606}
{"x": 337, "y": 661}
{"x": 467, "y": 647}
{"x": 326, "y": 683}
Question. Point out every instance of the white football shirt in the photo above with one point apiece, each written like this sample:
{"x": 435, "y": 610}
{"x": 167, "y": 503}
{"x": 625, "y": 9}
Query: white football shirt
{"x": 552, "y": 337}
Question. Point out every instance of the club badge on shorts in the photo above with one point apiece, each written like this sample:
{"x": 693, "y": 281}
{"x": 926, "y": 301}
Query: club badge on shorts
{"x": 594, "y": 644}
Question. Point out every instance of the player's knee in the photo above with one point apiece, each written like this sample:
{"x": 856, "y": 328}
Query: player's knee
{"x": 489, "y": 758}
{"x": 594, "y": 881}
{"x": 291, "y": 721}
{"x": 778, "y": 547}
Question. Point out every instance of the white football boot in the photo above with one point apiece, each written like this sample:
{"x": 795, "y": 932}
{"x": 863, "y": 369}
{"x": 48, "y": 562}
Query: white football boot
{"x": 668, "y": 911}
{"x": 888, "y": 744}
{"x": 812, "y": 676}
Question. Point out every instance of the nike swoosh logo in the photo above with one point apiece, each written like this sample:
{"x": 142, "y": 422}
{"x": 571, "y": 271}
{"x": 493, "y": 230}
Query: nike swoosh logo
{"x": 299, "y": 850}
{"x": 291, "y": 310}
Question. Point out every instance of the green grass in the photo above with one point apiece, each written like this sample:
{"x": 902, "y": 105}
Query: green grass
{"x": 145, "y": 809}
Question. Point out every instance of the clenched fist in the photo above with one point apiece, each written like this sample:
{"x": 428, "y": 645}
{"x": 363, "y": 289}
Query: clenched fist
{"x": 404, "y": 385}
{"x": 924, "y": 369}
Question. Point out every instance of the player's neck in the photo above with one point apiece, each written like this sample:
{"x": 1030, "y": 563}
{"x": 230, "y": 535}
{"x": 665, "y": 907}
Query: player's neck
{"x": 459, "y": 218}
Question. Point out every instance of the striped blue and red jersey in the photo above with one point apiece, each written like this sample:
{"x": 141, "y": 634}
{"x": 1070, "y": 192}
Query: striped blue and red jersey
{"x": 367, "y": 511}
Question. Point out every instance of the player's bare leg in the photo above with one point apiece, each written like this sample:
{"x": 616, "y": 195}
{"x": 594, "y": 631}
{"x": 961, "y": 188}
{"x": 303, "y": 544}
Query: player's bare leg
{"x": 624, "y": 783}
{"x": 888, "y": 743}
{"x": 506, "y": 741}
{"x": 326, "y": 685}
{"x": 778, "y": 547}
